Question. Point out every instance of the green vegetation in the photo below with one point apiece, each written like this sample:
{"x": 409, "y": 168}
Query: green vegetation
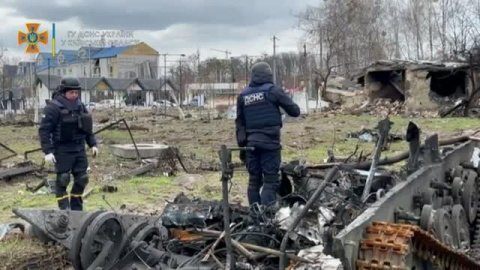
{"x": 309, "y": 139}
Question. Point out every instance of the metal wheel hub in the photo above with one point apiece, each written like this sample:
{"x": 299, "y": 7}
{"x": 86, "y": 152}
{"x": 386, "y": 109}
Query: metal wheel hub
{"x": 460, "y": 226}
{"x": 443, "y": 228}
{"x": 77, "y": 239}
{"x": 100, "y": 245}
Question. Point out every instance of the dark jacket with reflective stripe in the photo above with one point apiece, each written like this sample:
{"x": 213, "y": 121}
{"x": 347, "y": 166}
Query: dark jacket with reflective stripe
{"x": 259, "y": 119}
{"x": 59, "y": 130}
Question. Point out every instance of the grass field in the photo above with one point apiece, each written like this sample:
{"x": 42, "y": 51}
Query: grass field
{"x": 308, "y": 138}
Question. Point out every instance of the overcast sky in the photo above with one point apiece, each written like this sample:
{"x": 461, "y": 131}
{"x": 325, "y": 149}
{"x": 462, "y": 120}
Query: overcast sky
{"x": 170, "y": 26}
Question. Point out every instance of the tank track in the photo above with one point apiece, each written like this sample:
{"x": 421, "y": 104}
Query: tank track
{"x": 51, "y": 258}
{"x": 475, "y": 252}
{"x": 389, "y": 246}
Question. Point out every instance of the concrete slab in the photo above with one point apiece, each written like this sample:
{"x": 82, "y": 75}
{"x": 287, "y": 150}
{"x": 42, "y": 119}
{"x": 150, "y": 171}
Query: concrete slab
{"x": 146, "y": 150}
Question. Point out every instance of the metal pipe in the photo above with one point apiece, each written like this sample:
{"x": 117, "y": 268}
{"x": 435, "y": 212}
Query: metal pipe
{"x": 139, "y": 157}
{"x": 274, "y": 252}
{"x": 226, "y": 210}
{"x": 331, "y": 174}
{"x": 227, "y": 174}
{"x": 389, "y": 160}
{"x": 249, "y": 246}
{"x": 8, "y": 149}
{"x": 384, "y": 127}
{"x": 181, "y": 163}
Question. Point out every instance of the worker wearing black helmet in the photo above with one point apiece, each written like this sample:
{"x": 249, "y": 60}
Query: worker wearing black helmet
{"x": 258, "y": 125}
{"x": 66, "y": 126}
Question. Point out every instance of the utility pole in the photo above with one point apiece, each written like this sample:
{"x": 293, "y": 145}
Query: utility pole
{"x": 274, "y": 60}
{"x": 3, "y": 75}
{"x": 85, "y": 84}
{"x": 309, "y": 85}
{"x": 226, "y": 52}
{"x": 165, "y": 85}
{"x": 321, "y": 49}
{"x": 2, "y": 50}
{"x": 181, "y": 85}
{"x": 246, "y": 70}
{"x": 89, "y": 64}
{"x": 226, "y": 59}
{"x": 232, "y": 89}
{"x": 37, "y": 98}
{"x": 198, "y": 65}
{"x": 48, "y": 75}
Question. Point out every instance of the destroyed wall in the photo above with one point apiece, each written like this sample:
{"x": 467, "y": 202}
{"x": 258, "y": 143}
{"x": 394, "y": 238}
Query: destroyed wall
{"x": 448, "y": 83}
{"x": 417, "y": 91}
{"x": 430, "y": 88}
{"x": 347, "y": 98}
{"x": 420, "y": 85}
{"x": 354, "y": 101}
{"x": 468, "y": 83}
{"x": 341, "y": 90}
{"x": 385, "y": 84}
{"x": 470, "y": 90}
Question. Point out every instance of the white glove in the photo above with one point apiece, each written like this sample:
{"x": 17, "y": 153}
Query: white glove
{"x": 50, "y": 158}
{"x": 94, "y": 151}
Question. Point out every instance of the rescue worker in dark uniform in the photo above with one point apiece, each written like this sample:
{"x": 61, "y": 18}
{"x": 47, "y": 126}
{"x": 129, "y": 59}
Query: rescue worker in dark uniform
{"x": 258, "y": 125}
{"x": 66, "y": 126}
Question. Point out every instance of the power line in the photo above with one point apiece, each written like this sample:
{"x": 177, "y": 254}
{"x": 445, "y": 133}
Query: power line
{"x": 226, "y": 52}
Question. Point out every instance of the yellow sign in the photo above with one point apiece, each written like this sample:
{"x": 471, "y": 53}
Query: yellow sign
{"x": 32, "y": 37}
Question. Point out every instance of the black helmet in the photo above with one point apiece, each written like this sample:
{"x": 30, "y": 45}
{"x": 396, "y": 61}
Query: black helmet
{"x": 69, "y": 84}
{"x": 55, "y": 93}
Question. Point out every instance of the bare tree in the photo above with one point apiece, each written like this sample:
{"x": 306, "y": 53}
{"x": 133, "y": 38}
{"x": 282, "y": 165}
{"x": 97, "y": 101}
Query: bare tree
{"x": 323, "y": 73}
{"x": 379, "y": 29}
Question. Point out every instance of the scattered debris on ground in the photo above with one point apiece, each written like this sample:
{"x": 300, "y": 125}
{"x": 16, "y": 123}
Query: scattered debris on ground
{"x": 384, "y": 107}
{"x": 109, "y": 188}
{"x": 430, "y": 206}
{"x": 19, "y": 170}
{"x": 7, "y": 230}
{"x": 371, "y": 135}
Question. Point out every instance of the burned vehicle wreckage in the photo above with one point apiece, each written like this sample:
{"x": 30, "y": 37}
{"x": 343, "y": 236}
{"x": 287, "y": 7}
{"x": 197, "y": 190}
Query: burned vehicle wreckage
{"x": 338, "y": 215}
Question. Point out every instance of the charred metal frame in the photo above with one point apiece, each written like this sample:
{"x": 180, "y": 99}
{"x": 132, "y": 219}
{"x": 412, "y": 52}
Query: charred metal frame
{"x": 77, "y": 230}
{"x": 225, "y": 155}
{"x": 346, "y": 243}
{"x": 283, "y": 247}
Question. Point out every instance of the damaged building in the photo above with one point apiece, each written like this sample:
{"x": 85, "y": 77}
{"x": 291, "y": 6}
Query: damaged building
{"x": 421, "y": 85}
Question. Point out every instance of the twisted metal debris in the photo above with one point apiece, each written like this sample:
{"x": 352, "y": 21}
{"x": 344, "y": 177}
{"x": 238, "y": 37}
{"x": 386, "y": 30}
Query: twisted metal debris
{"x": 425, "y": 216}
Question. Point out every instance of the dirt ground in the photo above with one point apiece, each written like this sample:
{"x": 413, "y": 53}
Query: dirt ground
{"x": 198, "y": 140}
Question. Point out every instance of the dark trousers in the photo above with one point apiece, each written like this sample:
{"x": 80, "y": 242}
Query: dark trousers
{"x": 263, "y": 167}
{"x": 75, "y": 163}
